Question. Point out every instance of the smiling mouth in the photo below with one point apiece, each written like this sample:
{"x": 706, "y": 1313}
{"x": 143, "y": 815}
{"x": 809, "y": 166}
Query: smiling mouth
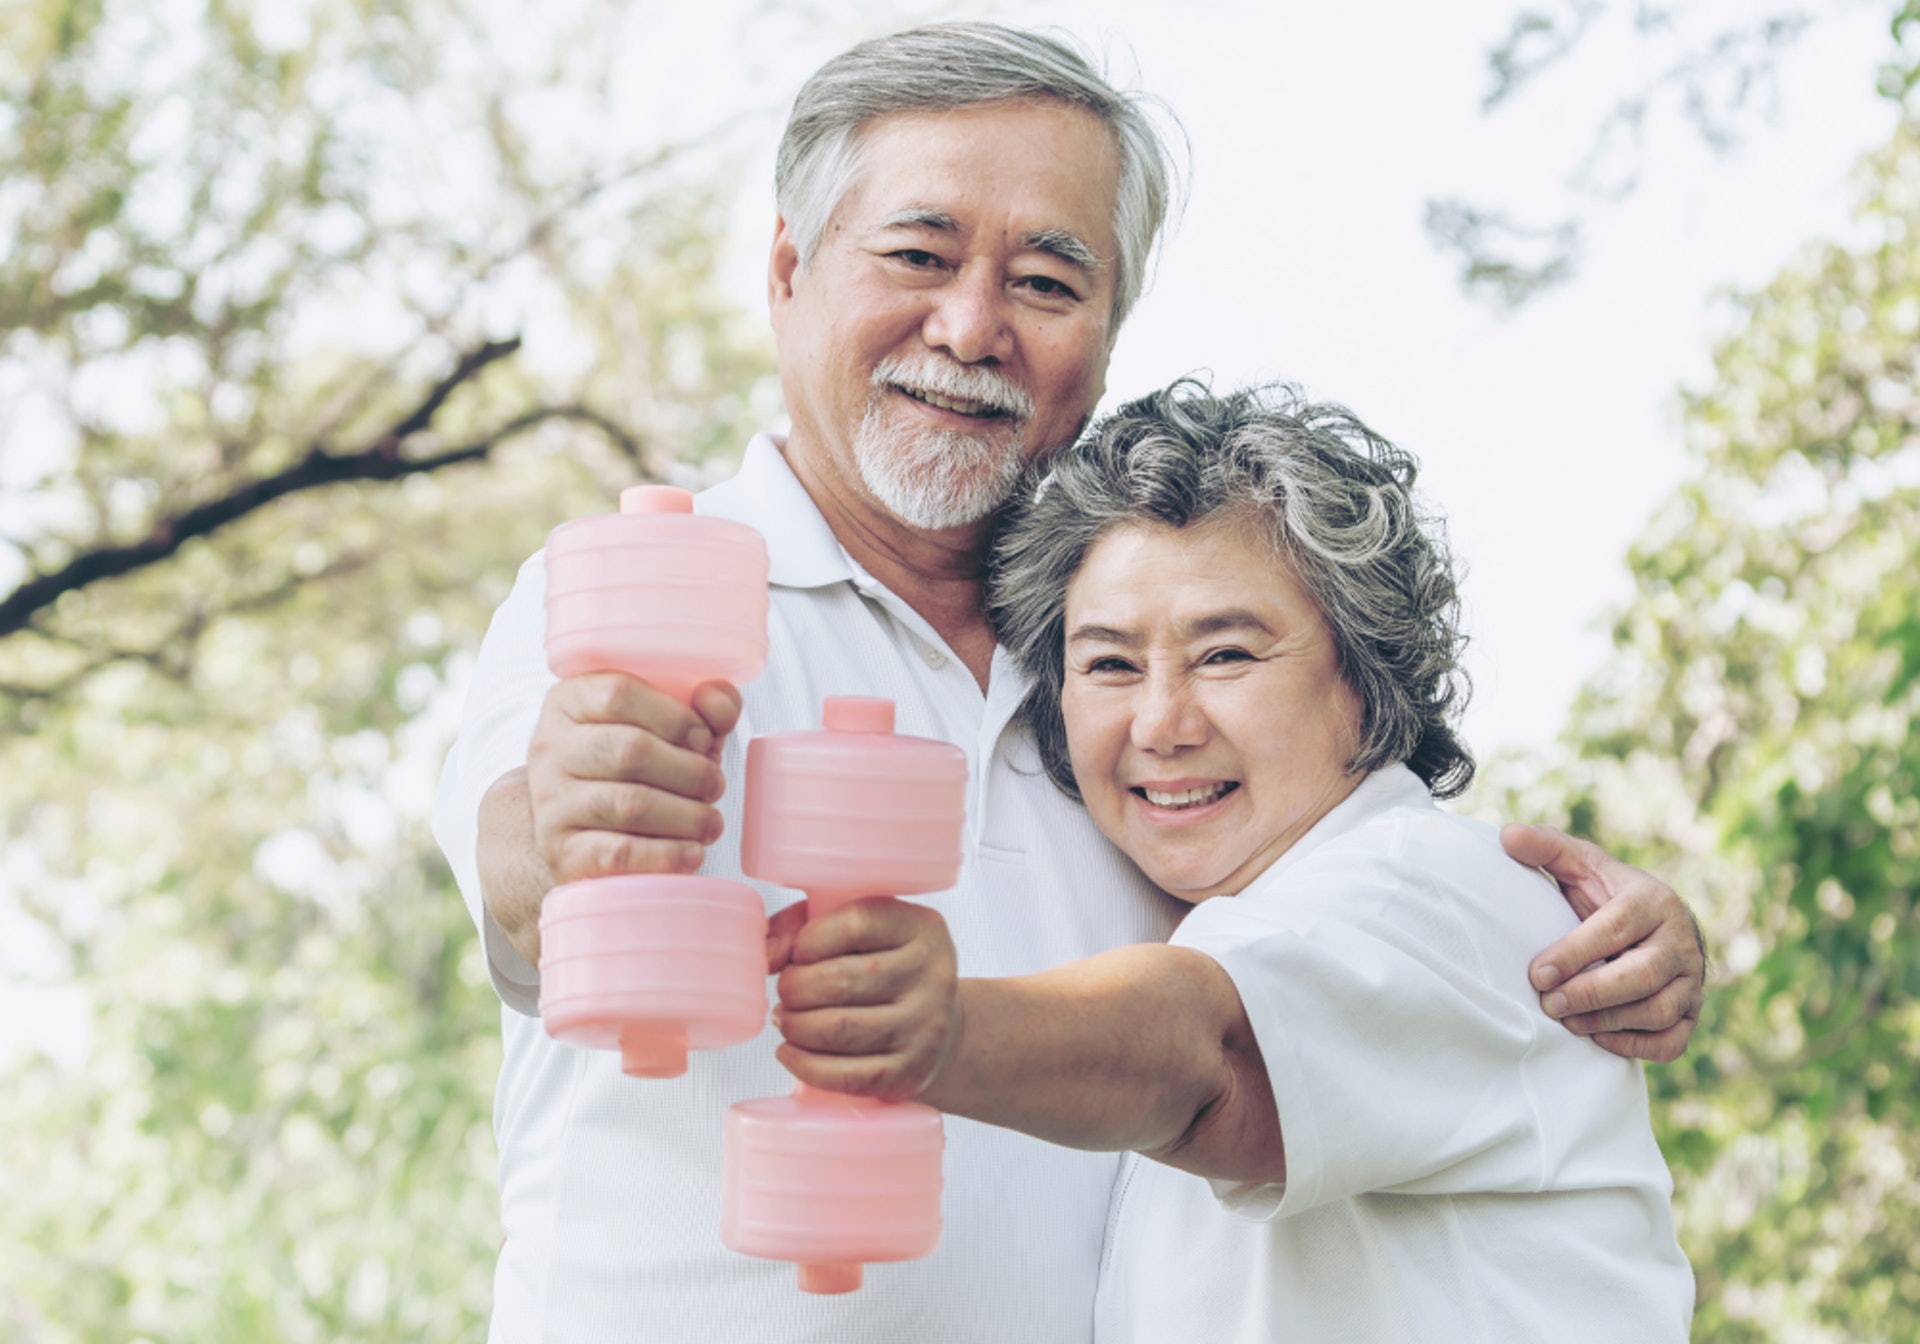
{"x": 977, "y": 410}
{"x": 1188, "y": 798}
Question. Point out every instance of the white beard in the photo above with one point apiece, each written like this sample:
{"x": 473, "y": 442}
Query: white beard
{"x": 936, "y": 478}
{"x": 939, "y": 478}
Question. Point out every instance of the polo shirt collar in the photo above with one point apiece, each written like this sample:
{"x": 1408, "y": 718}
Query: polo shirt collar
{"x": 765, "y": 495}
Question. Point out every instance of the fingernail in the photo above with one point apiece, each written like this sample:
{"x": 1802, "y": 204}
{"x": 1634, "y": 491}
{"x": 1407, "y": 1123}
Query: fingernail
{"x": 1556, "y": 1005}
{"x": 699, "y": 738}
{"x": 1546, "y": 977}
{"x": 715, "y": 825}
{"x": 692, "y": 856}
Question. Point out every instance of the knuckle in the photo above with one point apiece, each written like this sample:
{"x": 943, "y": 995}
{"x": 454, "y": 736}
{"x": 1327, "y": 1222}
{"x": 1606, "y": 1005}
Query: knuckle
{"x": 837, "y": 1034}
{"x": 1670, "y": 1007}
{"x": 634, "y": 754}
{"x": 1643, "y": 979}
{"x": 594, "y": 697}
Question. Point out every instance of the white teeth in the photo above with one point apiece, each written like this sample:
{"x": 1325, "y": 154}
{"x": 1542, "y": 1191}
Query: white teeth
{"x": 950, "y": 404}
{"x": 1187, "y": 798}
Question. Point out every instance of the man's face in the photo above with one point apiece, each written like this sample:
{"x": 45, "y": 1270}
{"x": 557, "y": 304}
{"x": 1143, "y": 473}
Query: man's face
{"x": 956, "y": 318}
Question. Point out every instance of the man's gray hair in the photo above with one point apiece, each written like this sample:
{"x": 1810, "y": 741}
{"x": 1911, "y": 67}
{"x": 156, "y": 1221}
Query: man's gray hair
{"x": 949, "y": 65}
{"x": 1336, "y": 501}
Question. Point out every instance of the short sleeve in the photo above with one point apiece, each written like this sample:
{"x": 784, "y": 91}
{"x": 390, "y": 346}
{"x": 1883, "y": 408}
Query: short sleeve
{"x": 509, "y": 682}
{"x": 1397, "y": 1060}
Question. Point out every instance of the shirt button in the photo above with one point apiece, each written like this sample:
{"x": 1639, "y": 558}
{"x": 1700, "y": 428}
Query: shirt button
{"x": 935, "y": 659}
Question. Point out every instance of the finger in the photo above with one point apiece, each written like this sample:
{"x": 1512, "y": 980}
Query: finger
{"x": 614, "y": 697}
{"x": 842, "y": 1031}
{"x": 855, "y": 980}
{"x": 1626, "y": 980}
{"x": 637, "y": 810}
{"x": 855, "y": 1075}
{"x": 1545, "y": 847}
{"x": 618, "y": 751}
{"x": 873, "y": 925}
{"x": 783, "y": 926}
{"x": 1607, "y": 932}
{"x": 718, "y": 704}
{"x": 1656, "y": 1047}
{"x": 1657, "y": 1012}
{"x": 579, "y": 855}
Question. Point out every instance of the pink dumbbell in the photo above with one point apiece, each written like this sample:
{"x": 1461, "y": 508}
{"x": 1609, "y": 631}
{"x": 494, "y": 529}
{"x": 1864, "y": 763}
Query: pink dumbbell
{"x": 653, "y": 965}
{"x": 830, "y": 1181}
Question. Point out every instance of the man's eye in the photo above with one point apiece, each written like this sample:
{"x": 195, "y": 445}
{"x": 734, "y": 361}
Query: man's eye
{"x": 1047, "y": 285}
{"x": 917, "y": 257}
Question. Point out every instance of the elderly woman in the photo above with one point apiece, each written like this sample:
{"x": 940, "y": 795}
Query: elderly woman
{"x": 1243, "y": 644}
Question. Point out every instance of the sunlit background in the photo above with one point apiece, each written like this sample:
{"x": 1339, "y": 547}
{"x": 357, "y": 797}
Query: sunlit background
{"x": 314, "y": 317}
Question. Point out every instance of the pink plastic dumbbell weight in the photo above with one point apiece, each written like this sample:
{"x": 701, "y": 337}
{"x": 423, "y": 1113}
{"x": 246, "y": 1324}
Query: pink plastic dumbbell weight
{"x": 655, "y": 965}
{"x": 828, "y": 1181}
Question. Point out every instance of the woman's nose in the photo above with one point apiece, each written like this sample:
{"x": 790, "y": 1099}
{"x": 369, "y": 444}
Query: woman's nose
{"x": 1166, "y": 717}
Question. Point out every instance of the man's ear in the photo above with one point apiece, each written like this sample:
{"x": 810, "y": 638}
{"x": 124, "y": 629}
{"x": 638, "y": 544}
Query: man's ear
{"x": 782, "y": 264}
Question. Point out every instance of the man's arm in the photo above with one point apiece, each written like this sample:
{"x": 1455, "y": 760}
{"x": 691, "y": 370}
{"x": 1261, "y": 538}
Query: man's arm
{"x": 1145, "y": 1048}
{"x": 1633, "y": 975}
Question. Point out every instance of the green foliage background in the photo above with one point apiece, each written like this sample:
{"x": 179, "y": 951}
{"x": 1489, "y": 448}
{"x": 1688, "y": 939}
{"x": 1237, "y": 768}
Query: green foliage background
{"x": 1754, "y": 738}
{"x": 221, "y": 259}
{"x": 227, "y": 254}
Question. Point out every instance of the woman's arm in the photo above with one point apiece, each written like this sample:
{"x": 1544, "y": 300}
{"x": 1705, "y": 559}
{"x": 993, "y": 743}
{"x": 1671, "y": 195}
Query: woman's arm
{"x": 1145, "y": 1048}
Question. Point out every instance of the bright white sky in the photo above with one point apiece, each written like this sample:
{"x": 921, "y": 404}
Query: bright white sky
{"x": 1319, "y": 131}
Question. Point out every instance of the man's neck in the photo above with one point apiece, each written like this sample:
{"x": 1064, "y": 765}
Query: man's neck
{"x": 941, "y": 575}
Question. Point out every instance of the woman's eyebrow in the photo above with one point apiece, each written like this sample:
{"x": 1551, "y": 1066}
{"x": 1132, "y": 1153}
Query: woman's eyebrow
{"x": 1234, "y": 618}
{"x": 1102, "y": 634}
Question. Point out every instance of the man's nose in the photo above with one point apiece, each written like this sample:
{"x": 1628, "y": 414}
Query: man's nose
{"x": 1166, "y": 716}
{"x": 970, "y": 319}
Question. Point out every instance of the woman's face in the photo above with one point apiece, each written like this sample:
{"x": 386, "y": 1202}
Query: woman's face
{"x": 1207, "y": 721}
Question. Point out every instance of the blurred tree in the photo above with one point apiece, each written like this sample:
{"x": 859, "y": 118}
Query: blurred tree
{"x": 271, "y": 443}
{"x": 1757, "y": 737}
{"x": 1712, "y": 65}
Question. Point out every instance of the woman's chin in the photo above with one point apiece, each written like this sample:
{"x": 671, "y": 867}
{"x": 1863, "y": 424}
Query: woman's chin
{"x": 1188, "y": 884}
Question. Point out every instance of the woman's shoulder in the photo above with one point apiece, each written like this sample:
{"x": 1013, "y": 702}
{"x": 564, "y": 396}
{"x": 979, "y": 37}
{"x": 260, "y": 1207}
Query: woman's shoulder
{"x": 1413, "y": 872}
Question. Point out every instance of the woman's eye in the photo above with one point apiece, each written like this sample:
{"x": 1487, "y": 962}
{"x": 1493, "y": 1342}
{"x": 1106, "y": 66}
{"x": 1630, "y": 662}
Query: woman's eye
{"x": 1220, "y": 656}
{"x": 1099, "y": 665}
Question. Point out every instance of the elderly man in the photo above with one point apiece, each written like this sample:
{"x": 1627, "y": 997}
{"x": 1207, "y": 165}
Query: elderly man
{"x": 965, "y": 215}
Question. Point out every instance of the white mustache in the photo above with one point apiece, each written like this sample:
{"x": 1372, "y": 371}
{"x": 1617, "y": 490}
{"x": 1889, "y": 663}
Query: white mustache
{"x": 960, "y": 382}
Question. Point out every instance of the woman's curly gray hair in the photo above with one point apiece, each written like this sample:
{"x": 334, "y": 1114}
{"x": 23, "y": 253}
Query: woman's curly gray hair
{"x": 1335, "y": 499}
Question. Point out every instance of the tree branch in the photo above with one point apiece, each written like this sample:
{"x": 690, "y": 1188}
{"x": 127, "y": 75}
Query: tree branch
{"x": 382, "y": 461}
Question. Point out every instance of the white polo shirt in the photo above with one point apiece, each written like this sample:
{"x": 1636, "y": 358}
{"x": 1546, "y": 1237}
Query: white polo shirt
{"x": 1460, "y": 1168}
{"x": 610, "y": 1186}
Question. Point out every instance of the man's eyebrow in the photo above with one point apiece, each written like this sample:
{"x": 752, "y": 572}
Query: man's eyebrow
{"x": 1061, "y": 243}
{"x": 1066, "y": 246}
{"x": 921, "y": 217}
